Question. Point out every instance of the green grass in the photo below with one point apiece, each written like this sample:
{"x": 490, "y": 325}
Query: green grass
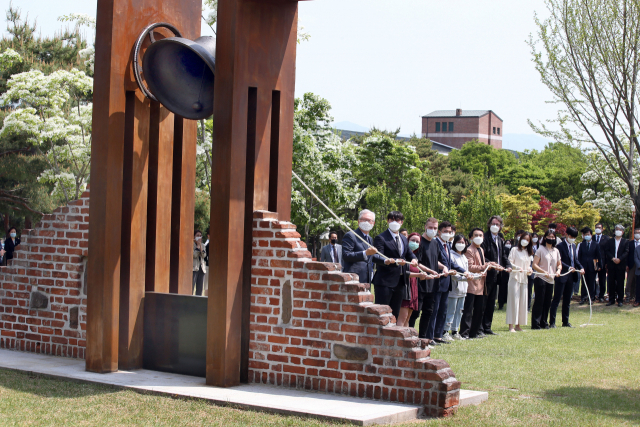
{"x": 569, "y": 377}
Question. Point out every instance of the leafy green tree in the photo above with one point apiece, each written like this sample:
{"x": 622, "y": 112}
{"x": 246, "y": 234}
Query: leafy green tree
{"x": 519, "y": 209}
{"x": 481, "y": 203}
{"x": 572, "y": 214}
{"x": 481, "y": 160}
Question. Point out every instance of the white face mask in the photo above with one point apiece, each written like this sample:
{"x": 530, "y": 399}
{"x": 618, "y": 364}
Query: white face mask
{"x": 586, "y": 238}
{"x": 460, "y": 247}
{"x": 598, "y": 230}
{"x": 478, "y": 240}
{"x": 637, "y": 236}
{"x": 553, "y": 230}
{"x": 570, "y": 240}
{"x": 365, "y": 226}
{"x": 431, "y": 233}
{"x": 494, "y": 229}
{"x": 445, "y": 236}
{"x": 619, "y": 233}
{"x": 524, "y": 243}
{"x": 198, "y": 238}
{"x": 394, "y": 226}
{"x": 508, "y": 246}
{"x": 535, "y": 240}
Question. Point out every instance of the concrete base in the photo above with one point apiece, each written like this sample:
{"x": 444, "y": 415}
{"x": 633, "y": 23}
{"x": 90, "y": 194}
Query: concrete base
{"x": 257, "y": 397}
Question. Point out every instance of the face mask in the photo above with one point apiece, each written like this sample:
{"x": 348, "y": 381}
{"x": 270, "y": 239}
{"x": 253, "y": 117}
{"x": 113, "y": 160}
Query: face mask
{"x": 524, "y": 243}
{"x": 414, "y": 245}
{"x": 445, "y": 236}
{"x": 431, "y": 233}
{"x": 494, "y": 229}
{"x": 334, "y": 241}
{"x": 13, "y": 235}
{"x": 478, "y": 240}
{"x": 598, "y": 230}
{"x": 586, "y": 238}
{"x": 365, "y": 226}
{"x": 553, "y": 230}
{"x": 508, "y": 246}
{"x": 535, "y": 240}
{"x": 637, "y": 236}
{"x": 394, "y": 226}
{"x": 619, "y": 233}
{"x": 460, "y": 247}
{"x": 517, "y": 239}
{"x": 570, "y": 240}
{"x": 551, "y": 242}
{"x": 198, "y": 238}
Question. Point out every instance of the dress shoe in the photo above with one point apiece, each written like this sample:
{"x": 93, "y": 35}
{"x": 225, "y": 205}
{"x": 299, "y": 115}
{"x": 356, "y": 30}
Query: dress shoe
{"x": 489, "y": 332}
{"x": 636, "y": 304}
{"x": 610, "y": 303}
{"x": 481, "y": 335}
{"x": 567, "y": 325}
{"x": 546, "y": 327}
{"x": 441, "y": 341}
{"x": 551, "y": 326}
{"x": 619, "y": 304}
{"x": 582, "y": 302}
{"x": 476, "y": 337}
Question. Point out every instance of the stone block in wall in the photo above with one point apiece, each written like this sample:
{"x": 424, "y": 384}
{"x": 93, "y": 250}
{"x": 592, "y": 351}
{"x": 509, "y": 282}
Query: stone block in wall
{"x": 39, "y": 300}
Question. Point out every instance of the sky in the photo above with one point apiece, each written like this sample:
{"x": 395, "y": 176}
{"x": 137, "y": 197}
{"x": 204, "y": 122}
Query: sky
{"x": 386, "y": 63}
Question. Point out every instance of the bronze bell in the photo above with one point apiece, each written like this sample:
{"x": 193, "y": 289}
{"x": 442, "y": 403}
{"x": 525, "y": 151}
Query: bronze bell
{"x": 180, "y": 73}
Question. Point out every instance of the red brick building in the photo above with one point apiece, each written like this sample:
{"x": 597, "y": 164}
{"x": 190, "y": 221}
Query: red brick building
{"x": 455, "y": 127}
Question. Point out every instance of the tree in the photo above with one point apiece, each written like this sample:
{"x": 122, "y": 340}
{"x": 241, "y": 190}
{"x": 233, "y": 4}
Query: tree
{"x": 543, "y": 216}
{"x": 481, "y": 160}
{"x": 587, "y": 53}
{"x": 480, "y": 204}
{"x": 519, "y": 209}
{"x": 579, "y": 216}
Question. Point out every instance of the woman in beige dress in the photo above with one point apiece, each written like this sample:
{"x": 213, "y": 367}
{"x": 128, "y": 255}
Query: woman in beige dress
{"x": 517, "y": 299}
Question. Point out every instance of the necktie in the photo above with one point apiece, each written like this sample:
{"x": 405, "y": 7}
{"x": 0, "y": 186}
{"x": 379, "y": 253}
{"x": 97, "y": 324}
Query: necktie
{"x": 588, "y": 246}
{"x": 335, "y": 254}
{"x": 398, "y": 245}
{"x": 571, "y": 254}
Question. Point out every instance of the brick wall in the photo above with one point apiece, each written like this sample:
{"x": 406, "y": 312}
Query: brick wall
{"x": 315, "y": 328}
{"x": 43, "y": 289}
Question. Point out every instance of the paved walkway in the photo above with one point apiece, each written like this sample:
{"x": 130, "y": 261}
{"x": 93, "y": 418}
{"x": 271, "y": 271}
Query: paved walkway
{"x": 259, "y": 397}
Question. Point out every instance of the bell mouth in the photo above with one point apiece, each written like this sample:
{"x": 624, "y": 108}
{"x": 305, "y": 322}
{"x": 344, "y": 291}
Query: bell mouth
{"x": 181, "y": 74}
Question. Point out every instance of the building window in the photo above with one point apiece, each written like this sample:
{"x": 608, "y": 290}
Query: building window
{"x": 437, "y": 126}
{"x": 494, "y": 130}
{"x": 450, "y": 126}
{"x": 498, "y": 131}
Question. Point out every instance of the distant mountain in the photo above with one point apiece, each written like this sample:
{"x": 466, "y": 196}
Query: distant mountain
{"x": 523, "y": 141}
{"x": 350, "y": 126}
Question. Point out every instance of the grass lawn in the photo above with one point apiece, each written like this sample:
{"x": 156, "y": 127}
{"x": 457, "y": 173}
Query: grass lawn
{"x": 574, "y": 377}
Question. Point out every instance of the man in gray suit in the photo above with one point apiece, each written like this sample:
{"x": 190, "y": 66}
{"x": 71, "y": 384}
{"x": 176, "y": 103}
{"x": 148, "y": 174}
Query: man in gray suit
{"x": 333, "y": 251}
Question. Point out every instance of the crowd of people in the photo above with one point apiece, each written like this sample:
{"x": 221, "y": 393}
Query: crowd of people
{"x": 451, "y": 282}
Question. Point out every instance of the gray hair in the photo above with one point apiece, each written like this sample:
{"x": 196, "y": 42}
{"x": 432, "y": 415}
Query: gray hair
{"x": 366, "y": 211}
{"x": 620, "y": 226}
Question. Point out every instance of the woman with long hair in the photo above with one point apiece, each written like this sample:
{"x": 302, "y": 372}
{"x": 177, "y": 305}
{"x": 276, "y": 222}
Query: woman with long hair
{"x": 520, "y": 258}
{"x": 548, "y": 265}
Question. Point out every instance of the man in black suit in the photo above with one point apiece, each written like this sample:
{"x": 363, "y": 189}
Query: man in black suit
{"x": 601, "y": 240}
{"x": 616, "y": 253}
{"x": 493, "y": 247}
{"x": 388, "y": 281}
{"x": 441, "y": 291}
{"x": 356, "y": 255}
{"x": 631, "y": 265}
{"x": 428, "y": 254}
{"x": 590, "y": 258}
{"x": 564, "y": 284}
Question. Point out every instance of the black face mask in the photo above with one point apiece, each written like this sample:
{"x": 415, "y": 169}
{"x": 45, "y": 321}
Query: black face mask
{"x": 551, "y": 242}
{"x": 334, "y": 241}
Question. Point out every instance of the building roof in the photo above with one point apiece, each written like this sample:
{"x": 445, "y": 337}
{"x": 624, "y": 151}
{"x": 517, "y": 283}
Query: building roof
{"x": 465, "y": 113}
{"x": 440, "y": 148}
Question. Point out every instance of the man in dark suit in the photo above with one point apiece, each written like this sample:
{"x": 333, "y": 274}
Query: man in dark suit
{"x": 493, "y": 247}
{"x": 428, "y": 254}
{"x": 357, "y": 255}
{"x": 590, "y": 258}
{"x": 389, "y": 279}
{"x": 601, "y": 240}
{"x": 631, "y": 265}
{"x": 616, "y": 253}
{"x": 564, "y": 284}
{"x": 441, "y": 291}
{"x": 333, "y": 251}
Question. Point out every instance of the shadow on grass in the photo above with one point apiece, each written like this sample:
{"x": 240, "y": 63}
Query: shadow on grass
{"x": 622, "y": 403}
{"x": 45, "y": 386}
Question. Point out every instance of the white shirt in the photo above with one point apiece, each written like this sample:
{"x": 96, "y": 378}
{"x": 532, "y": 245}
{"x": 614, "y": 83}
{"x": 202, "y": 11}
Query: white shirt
{"x": 400, "y": 247}
{"x": 617, "y": 244}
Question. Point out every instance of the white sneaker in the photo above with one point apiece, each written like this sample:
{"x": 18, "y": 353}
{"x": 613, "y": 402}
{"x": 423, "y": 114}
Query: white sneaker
{"x": 447, "y": 337}
{"x": 458, "y": 337}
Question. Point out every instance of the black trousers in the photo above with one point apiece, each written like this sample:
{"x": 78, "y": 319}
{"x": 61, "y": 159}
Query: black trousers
{"x": 503, "y": 291}
{"x": 471, "y": 321}
{"x": 489, "y": 304}
{"x": 390, "y": 296}
{"x": 602, "y": 278}
{"x": 197, "y": 284}
{"x": 590, "y": 278}
{"x": 616, "y": 282}
{"x": 425, "y": 311}
{"x": 530, "y": 286}
{"x": 542, "y": 304}
{"x": 564, "y": 291}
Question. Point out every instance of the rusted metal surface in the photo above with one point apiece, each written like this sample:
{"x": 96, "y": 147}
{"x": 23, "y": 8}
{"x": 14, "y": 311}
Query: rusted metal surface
{"x": 256, "y": 49}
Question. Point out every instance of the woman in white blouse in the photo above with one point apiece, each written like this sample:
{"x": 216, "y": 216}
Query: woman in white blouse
{"x": 517, "y": 299}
